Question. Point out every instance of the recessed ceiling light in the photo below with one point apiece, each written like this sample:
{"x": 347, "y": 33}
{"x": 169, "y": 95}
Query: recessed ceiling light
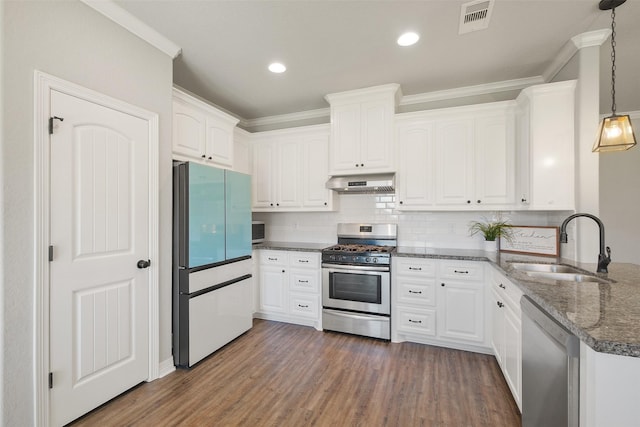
{"x": 277, "y": 67}
{"x": 407, "y": 39}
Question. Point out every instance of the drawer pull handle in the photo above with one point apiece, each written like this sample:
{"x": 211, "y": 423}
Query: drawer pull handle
{"x": 461, "y": 271}
{"x": 303, "y": 281}
{"x": 500, "y": 304}
{"x": 272, "y": 259}
{"x": 415, "y": 321}
{"x": 303, "y": 306}
{"x": 502, "y": 286}
{"x": 414, "y": 292}
{"x": 415, "y": 268}
{"x": 303, "y": 260}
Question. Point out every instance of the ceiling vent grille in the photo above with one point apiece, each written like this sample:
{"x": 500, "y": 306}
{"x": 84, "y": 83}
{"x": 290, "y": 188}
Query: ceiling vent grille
{"x": 475, "y": 16}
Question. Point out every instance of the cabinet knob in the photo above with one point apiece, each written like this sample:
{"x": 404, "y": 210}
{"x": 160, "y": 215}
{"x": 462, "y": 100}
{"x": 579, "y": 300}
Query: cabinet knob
{"x": 325, "y": 203}
{"x": 283, "y": 271}
{"x": 502, "y": 286}
{"x": 361, "y": 165}
{"x": 468, "y": 201}
{"x": 271, "y": 204}
{"x": 500, "y": 304}
{"x": 357, "y": 165}
{"x": 400, "y": 201}
{"x": 203, "y": 156}
{"x": 479, "y": 201}
{"x": 523, "y": 200}
{"x": 210, "y": 158}
{"x": 277, "y": 204}
{"x": 442, "y": 284}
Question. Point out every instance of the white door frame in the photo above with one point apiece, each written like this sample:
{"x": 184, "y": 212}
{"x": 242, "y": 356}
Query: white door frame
{"x": 43, "y": 84}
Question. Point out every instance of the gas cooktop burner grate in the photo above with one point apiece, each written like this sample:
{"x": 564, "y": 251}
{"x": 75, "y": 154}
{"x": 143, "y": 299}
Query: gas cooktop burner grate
{"x": 360, "y": 248}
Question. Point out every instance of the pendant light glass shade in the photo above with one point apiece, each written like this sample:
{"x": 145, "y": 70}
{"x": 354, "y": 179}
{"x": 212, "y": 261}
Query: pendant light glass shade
{"x": 615, "y": 134}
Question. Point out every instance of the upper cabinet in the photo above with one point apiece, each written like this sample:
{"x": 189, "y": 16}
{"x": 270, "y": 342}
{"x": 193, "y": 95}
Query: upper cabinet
{"x": 362, "y": 130}
{"x": 546, "y": 147}
{"x": 457, "y": 158}
{"x": 290, "y": 170}
{"x": 202, "y": 132}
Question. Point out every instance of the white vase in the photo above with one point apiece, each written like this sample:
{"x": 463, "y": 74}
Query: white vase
{"x": 491, "y": 246}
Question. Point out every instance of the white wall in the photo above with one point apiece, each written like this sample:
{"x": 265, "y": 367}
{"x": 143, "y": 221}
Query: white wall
{"x": 69, "y": 40}
{"x": 620, "y": 199}
{"x": 418, "y": 229}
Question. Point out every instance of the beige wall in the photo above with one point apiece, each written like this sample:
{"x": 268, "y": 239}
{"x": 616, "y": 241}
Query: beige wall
{"x": 69, "y": 40}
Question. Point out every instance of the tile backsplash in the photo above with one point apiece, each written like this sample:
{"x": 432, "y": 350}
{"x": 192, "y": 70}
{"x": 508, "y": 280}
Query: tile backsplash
{"x": 417, "y": 229}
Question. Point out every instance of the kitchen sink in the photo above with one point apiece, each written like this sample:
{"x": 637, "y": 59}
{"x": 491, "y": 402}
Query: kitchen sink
{"x": 545, "y": 268}
{"x": 567, "y": 277}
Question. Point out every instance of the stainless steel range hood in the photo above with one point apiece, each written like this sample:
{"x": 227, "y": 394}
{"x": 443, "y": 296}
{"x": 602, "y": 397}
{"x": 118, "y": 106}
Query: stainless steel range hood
{"x": 378, "y": 183}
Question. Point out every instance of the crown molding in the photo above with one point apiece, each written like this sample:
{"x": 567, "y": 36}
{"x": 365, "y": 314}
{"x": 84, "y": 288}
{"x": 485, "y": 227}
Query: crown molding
{"x": 588, "y": 39}
{"x": 461, "y": 92}
{"x": 286, "y": 118}
{"x": 591, "y": 38}
{"x": 126, "y": 20}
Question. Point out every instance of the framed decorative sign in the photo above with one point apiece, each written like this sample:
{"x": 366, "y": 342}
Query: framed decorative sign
{"x": 533, "y": 240}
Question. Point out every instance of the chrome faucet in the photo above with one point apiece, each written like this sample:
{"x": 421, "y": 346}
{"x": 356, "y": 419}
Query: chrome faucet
{"x": 603, "y": 260}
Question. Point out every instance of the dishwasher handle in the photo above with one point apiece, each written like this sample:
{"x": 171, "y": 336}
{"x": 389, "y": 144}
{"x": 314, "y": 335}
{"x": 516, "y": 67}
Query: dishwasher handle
{"x": 551, "y": 327}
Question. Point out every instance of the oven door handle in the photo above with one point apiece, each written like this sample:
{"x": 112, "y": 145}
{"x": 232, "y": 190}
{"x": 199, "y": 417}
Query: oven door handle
{"x": 339, "y": 267}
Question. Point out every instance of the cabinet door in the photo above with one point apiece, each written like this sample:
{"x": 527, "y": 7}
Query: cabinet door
{"x": 288, "y": 182}
{"x": 188, "y": 130}
{"x": 315, "y": 172}
{"x": 345, "y": 139}
{"x": 376, "y": 136}
{"x": 494, "y": 160}
{"x": 462, "y": 315}
{"x": 264, "y": 156}
{"x": 523, "y": 179}
{"x": 454, "y": 154}
{"x": 219, "y": 142}
{"x": 512, "y": 364}
{"x": 416, "y": 174}
{"x": 497, "y": 336}
{"x": 273, "y": 289}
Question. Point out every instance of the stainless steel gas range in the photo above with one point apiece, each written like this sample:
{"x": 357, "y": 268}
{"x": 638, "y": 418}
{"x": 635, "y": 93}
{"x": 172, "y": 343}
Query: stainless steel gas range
{"x": 356, "y": 280}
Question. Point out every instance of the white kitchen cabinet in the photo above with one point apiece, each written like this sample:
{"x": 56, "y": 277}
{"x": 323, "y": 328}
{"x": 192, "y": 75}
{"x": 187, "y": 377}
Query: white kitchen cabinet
{"x": 290, "y": 170}
{"x": 362, "y": 130}
{"x": 201, "y": 132}
{"x": 439, "y": 302}
{"x": 546, "y": 146}
{"x": 457, "y": 158}
{"x": 507, "y": 331}
{"x": 290, "y": 287}
{"x": 242, "y": 151}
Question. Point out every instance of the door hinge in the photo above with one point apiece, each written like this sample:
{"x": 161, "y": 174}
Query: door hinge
{"x": 50, "y": 380}
{"x": 50, "y": 253}
{"x": 51, "y": 119}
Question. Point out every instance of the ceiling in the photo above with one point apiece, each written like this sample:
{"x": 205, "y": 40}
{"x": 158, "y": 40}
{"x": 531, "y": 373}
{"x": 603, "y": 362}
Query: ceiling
{"x": 333, "y": 46}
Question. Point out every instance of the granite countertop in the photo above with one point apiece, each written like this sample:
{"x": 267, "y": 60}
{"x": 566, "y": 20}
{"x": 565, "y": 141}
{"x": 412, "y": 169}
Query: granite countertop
{"x": 292, "y": 246}
{"x": 606, "y": 316}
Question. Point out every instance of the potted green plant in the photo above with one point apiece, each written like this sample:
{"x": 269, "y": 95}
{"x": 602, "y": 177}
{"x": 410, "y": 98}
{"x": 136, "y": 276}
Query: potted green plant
{"x": 492, "y": 230}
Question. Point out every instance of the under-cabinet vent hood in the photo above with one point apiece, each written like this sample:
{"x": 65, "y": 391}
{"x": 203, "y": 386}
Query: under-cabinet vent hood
{"x": 379, "y": 183}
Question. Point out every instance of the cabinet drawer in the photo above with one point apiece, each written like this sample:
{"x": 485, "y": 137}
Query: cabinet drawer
{"x": 416, "y": 291}
{"x": 508, "y": 289}
{"x": 422, "y": 322}
{"x": 461, "y": 270}
{"x": 273, "y": 258}
{"x": 415, "y": 266}
{"x": 304, "y": 305}
{"x": 304, "y": 280}
{"x": 304, "y": 260}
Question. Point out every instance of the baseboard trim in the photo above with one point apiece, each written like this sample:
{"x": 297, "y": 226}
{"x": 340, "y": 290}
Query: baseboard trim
{"x": 166, "y": 367}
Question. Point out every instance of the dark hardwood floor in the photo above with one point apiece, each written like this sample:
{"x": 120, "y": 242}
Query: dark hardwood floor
{"x": 279, "y": 374}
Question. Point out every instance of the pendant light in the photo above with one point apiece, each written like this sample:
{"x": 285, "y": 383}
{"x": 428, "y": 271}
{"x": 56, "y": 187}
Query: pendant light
{"x": 615, "y": 132}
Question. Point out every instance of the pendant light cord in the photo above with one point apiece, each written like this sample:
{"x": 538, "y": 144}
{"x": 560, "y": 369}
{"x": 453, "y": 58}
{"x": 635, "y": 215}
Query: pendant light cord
{"x": 613, "y": 61}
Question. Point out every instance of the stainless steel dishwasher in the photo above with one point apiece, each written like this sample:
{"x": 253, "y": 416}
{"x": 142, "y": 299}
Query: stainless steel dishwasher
{"x": 550, "y": 370}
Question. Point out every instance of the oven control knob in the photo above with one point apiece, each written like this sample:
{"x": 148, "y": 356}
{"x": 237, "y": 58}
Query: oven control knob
{"x": 375, "y": 260}
{"x": 368, "y": 260}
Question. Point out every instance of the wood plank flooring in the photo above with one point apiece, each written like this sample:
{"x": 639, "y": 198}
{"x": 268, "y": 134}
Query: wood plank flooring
{"x": 279, "y": 374}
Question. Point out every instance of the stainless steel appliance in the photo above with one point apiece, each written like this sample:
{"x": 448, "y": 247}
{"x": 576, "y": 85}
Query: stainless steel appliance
{"x": 258, "y": 232}
{"x": 550, "y": 370}
{"x": 377, "y": 183}
{"x": 356, "y": 280}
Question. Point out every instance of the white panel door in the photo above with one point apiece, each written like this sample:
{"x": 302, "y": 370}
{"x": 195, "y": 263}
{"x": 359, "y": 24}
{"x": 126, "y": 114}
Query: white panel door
{"x": 345, "y": 139}
{"x": 416, "y": 174}
{"x": 188, "y": 130}
{"x": 376, "y": 135}
{"x": 315, "y": 157}
{"x": 463, "y": 314}
{"x": 99, "y": 299}
{"x": 219, "y": 143}
{"x": 494, "y": 183}
{"x": 289, "y": 185}
{"x": 263, "y": 172}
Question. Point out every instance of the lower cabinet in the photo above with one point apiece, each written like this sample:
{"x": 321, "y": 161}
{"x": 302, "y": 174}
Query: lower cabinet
{"x": 289, "y": 287}
{"x": 507, "y": 331}
{"x": 440, "y": 302}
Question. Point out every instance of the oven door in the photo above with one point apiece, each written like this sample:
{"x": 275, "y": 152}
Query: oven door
{"x": 359, "y": 288}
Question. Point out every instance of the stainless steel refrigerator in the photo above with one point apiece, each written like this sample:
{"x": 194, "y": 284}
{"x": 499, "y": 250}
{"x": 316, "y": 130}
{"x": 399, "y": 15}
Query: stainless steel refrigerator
{"x": 211, "y": 259}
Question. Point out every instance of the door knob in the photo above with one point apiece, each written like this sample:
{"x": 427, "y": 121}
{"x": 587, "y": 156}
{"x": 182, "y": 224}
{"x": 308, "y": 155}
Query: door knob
{"x": 144, "y": 263}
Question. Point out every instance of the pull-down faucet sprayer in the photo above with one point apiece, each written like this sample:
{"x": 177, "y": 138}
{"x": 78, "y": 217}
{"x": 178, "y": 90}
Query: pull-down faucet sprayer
{"x": 603, "y": 260}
